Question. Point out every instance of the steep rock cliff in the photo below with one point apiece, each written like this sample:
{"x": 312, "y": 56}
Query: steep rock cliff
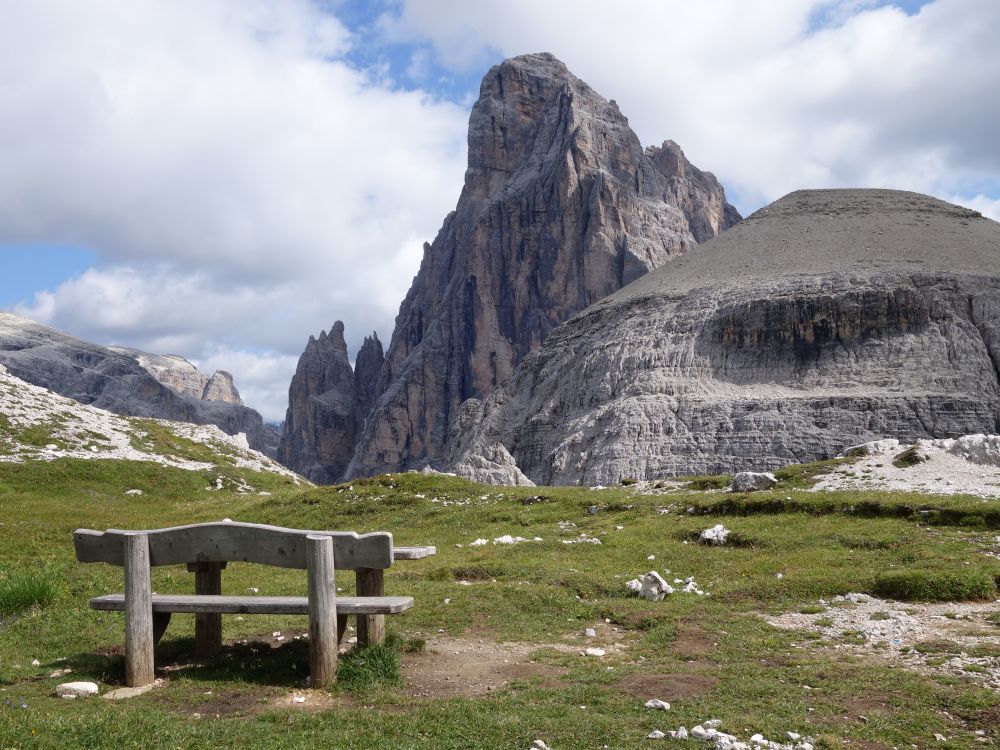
{"x": 827, "y": 319}
{"x": 561, "y": 207}
{"x": 327, "y": 403}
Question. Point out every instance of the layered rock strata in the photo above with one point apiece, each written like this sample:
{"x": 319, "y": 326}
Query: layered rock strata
{"x": 829, "y": 318}
{"x": 561, "y": 206}
{"x": 116, "y": 381}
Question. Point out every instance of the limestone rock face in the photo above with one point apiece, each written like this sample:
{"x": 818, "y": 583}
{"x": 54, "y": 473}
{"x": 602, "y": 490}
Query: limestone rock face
{"x": 220, "y": 387}
{"x": 327, "y": 401}
{"x": 561, "y": 207}
{"x": 828, "y": 319}
{"x": 115, "y": 380}
{"x": 181, "y": 376}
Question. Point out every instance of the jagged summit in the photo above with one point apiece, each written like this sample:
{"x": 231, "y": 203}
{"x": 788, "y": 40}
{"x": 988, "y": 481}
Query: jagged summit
{"x": 827, "y": 319}
{"x": 561, "y": 206}
{"x": 327, "y": 403}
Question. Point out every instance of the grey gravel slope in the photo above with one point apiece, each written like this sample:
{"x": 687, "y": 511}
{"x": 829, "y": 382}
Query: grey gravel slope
{"x": 829, "y": 318}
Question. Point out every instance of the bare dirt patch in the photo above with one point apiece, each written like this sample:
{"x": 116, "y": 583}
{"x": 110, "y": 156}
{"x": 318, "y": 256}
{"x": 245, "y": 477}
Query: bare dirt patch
{"x": 669, "y": 686}
{"x": 692, "y": 642}
{"x": 453, "y": 667}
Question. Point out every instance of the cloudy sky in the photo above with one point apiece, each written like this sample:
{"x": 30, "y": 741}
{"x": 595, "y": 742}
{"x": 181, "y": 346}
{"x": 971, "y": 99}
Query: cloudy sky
{"x": 222, "y": 178}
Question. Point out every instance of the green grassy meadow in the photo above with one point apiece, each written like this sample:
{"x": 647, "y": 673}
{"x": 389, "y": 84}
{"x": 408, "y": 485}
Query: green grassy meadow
{"x": 711, "y": 656}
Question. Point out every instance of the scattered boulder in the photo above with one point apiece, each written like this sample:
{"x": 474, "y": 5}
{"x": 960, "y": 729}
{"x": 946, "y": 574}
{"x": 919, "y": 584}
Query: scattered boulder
{"x": 634, "y": 586}
{"x": 654, "y": 588}
{"x": 130, "y": 692}
{"x": 715, "y": 535}
{"x": 594, "y": 651}
{"x": 76, "y": 689}
{"x": 873, "y": 448}
{"x": 657, "y": 704}
{"x": 751, "y": 481}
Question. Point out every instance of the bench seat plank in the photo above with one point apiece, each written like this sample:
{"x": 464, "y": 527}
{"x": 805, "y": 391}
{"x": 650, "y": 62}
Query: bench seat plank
{"x": 259, "y": 605}
{"x": 413, "y": 553}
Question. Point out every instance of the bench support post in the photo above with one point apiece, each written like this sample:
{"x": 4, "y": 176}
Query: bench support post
{"x": 208, "y": 626}
{"x": 138, "y": 612}
{"x": 322, "y": 611}
{"x": 371, "y": 628}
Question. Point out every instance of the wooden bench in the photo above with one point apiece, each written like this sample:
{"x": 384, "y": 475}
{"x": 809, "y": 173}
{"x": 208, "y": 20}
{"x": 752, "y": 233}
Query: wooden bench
{"x": 206, "y": 548}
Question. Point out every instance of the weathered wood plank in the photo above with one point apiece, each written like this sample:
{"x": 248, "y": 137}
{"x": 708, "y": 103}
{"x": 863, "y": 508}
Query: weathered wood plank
{"x": 160, "y": 622}
{"x": 235, "y": 541}
{"x": 258, "y": 605}
{"x": 138, "y": 612}
{"x": 371, "y": 628}
{"x": 413, "y": 553}
{"x": 341, "y": 622}
{"x": 208, "y": 625}
{"x": 322, "y": 611}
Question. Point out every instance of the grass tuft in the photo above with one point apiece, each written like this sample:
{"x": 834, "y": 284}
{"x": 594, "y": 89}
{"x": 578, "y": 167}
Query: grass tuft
{"x": 936, "y": 586}
{"x": 22, "y": 590}
{"x": 365, "y": 668}
{"x": 910, "y": 457}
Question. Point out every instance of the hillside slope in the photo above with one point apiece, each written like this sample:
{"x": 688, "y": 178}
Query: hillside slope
{"x": 827, "y": 319}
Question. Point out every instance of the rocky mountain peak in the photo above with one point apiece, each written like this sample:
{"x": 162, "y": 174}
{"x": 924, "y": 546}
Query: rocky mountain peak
{"x": 561, "y": 206}
{"x": 328, "y": 400}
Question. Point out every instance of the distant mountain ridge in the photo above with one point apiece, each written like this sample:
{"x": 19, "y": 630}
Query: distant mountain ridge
{"x": 115, "y": 380}
{"x": 181, "y": 376}
{"x": 561, "y": 206}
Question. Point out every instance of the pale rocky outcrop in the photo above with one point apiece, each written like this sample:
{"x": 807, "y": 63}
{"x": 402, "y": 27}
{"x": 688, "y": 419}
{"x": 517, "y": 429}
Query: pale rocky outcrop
{"x": 183, "y": 377}
{"x": 751, "y": 481}
{"x": 561, "y": 206}
{"x": 115, "y": 380}
{"x": 827, "y": 319}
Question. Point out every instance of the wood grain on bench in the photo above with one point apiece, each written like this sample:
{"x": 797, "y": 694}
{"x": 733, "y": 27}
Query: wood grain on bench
{"x": 258, "y": 605}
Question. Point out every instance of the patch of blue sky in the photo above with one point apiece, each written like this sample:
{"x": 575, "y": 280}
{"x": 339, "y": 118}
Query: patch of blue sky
{"x": 836, "y": 12}
{"x": 408, "y": 64}
{"x": 34, "y": 268}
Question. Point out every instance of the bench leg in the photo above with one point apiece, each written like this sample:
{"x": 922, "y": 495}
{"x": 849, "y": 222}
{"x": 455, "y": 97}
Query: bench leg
{"x": 138, "y": 612}
{"x": 208, "y": 626}
{"x": 160, "y": 622}
{"x": 371, "y": 628}
{"x": 341, "y": 627}
{"x": 322, "y": 610}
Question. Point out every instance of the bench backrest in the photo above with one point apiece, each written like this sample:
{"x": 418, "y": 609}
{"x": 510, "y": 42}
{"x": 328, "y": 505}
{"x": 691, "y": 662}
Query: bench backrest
{"x": 235, "y": 541}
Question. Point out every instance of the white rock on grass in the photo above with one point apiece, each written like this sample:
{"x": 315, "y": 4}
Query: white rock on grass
{"x": 715, "y": 535}
{"x": 539, "y": 745}
{"x": 751, "y": 481}
{"x": 656, "y": 703}
{"x": 654, "y": 588}
{"x": 76, "y": 689}
{"x": 634, "y": 586}
{"x": 874, "y": 448}
{"x": 131, "y": 692}
{"x": 590, "y": 633}
{"x": 656, "y": 734}
{"x": 594, "y": 651}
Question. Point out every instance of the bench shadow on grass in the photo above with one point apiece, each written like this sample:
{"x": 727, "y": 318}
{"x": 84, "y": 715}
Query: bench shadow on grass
{"x": 255, "y": 662}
